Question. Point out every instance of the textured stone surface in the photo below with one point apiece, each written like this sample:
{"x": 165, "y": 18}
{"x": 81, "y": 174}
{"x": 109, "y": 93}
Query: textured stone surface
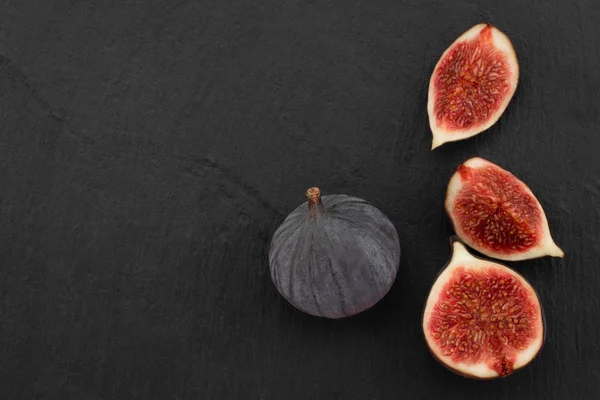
{"x": 149, "y": 150}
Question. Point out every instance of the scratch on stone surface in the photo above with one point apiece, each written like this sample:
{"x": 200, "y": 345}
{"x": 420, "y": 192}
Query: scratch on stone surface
{"x": 228, "y": 174}
{"x": 21, "y": 77}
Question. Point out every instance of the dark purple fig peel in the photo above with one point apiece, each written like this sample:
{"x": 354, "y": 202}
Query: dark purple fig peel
{"x": 335, "y": 257}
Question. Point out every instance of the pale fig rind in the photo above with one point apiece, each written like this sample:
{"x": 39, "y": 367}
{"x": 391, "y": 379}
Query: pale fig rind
{"x": 544, "y": 244}
{"x": 462, "y": 259}
{"x": 501, "y": 43}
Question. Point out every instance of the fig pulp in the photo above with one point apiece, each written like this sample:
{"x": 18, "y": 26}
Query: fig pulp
{"x": 496, "y": 214}
{"x": 471, "y": 84}
{"x": 482, "y": 319}
{"x": 334, "y": 257}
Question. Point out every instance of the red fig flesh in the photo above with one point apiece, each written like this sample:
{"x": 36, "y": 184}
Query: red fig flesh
{"x": 471, "y": 84}
{"x": 497, "y": 214}
{"x": 482, "y": 319}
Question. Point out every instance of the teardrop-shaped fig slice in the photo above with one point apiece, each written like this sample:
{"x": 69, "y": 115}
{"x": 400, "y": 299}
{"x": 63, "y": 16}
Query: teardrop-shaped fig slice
{"x": 471, "y": 84}
{"x": 335, "y": 257}
{"x": 482, "y": 319}
{"x": 497, "y": 214}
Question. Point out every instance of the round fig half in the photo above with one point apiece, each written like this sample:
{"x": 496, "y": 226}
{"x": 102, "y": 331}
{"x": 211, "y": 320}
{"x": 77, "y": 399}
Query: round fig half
{"x": 496, "y": 214}
{"x": 471, "y": 84}
{"x": 335, "y": 257}
{"x": 482, "y": 319}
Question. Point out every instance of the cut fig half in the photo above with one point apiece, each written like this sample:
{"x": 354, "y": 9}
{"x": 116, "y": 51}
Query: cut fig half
{"x": 482, "y": 320}
{"x": 495, "y": 213}
{"x": 471, "y": 84}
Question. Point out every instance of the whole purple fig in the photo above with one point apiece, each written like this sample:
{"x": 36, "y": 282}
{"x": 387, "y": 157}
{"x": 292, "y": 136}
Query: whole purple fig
{"x": 335, "y": 257}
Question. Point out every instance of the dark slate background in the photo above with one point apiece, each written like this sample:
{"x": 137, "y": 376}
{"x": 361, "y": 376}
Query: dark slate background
{"x": 149, "y": 150}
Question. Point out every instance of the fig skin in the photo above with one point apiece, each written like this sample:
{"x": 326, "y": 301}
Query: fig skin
{"x": 458, "y": 246}
{"x": 501, "y": 44}
{"x": 335, "y": 257}
{"x": 544, "y": 244}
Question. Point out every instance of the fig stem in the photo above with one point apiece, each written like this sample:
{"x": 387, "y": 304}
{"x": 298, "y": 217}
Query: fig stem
{"x": 314, "y": 197}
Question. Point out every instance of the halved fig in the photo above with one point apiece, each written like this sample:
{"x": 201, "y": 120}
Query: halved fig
{"x": 482, "y": 319}
{"x": 471, "y": 84}
{"x": 496, "y": 214}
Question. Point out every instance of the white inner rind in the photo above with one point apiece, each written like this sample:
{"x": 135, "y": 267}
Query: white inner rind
{"x": 462, "y": 258}
{"x": 545, "y": 246}
{"x": 502, "y": 43}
